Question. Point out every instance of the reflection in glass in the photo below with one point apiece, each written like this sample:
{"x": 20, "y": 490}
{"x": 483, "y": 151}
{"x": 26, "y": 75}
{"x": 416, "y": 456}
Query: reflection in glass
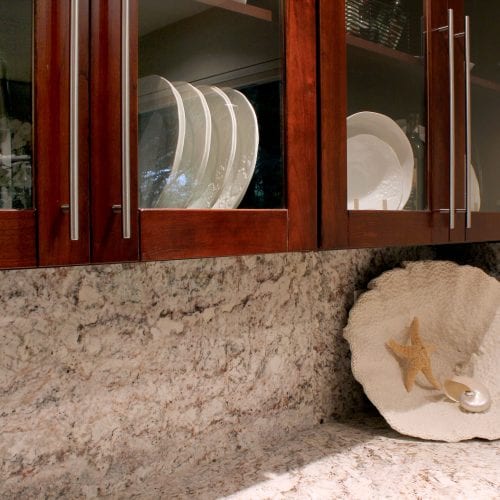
{"x": 15, "y": 104}
{"x": 386, "y": 145}
{"x": 214, "y": 139}
{"x": 485, "y": 106}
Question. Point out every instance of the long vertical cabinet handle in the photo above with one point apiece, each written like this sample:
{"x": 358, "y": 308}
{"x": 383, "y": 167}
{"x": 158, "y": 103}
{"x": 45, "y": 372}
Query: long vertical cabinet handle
{"x": 74, "y": 101}
{"x": 126, "y": 209}
{"x": 451, "y": 47}
{"x": 468, "y": 157}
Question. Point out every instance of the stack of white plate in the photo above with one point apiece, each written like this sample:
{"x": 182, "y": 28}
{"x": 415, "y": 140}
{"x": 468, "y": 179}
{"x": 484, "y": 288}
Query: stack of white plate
{"x": 197, "y": 145}
{"x": 379, "y": 163}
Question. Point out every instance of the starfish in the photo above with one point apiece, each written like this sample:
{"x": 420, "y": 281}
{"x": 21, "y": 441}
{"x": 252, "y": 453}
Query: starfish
{"x": 416, "y": 356}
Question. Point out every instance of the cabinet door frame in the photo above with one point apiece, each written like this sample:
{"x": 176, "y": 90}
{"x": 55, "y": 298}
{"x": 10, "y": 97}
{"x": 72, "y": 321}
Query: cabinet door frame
{"x": 172, "y": 233}
{"x": 17, "y": 239}
{"x": 343, "y": 228}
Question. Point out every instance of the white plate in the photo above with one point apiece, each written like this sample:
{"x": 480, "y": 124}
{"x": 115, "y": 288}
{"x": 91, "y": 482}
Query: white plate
{"x": 387, "y": 131}
{"x": 375, "y": 178}
{"x": 247, "y": 146}
{"x": 162, "y": 127}
{"x": 222, "y": 148}
{"x": 180, "y": 187}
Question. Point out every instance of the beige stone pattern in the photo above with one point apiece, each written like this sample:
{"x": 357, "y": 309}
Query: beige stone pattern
{"x": 111, "y": 373}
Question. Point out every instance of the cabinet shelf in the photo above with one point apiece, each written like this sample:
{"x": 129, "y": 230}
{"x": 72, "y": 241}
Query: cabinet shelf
{"x": 365, "y": 48}
{"x": 483, "y": 83}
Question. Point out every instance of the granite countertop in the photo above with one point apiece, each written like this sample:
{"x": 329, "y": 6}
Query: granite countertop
{"x": 357, "y": 459}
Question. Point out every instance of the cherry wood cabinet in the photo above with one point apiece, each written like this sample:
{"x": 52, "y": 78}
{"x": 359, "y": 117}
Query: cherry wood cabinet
{"x": 360, "y": 71}
{"x": 175, "y": 232}
{"x": 72, "y": 122}
{"x": 84, "y": 195}
{"x": 484, "y": 219}
{"x": 39, "y": 73}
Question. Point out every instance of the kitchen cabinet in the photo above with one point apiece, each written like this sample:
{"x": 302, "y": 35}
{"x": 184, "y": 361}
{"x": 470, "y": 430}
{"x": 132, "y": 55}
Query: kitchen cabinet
{"x": 396, "y": 58}
{"x": 146, "y": 56}
{"x": 55, "y": 207}
{"x": 75, "y": 90}
{"x": 101, "y": 163}
{"x": 483, "y": 222}
{"x": 41, "y": 44}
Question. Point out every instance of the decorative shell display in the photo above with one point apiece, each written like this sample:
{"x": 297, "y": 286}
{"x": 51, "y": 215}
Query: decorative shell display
{"x": 458, "y": 311}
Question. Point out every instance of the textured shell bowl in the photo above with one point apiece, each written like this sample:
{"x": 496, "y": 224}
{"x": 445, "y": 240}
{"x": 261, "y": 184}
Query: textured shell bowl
{"x": 458, "y": 308}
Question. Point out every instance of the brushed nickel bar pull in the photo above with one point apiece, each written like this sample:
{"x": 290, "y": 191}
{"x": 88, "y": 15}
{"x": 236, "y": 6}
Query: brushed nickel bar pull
{"x": 126, "y": 212}
{"x": 451, "y": 47}
{"x": 74, "y": 98}
{"x": 468, "y": 153}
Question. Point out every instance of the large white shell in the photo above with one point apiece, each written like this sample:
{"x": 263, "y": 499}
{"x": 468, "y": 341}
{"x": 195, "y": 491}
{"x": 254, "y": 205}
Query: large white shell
{"x": 458, "y": 308}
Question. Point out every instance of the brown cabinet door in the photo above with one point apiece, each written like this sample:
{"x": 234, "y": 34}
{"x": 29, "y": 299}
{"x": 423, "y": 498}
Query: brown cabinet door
{"x": 61, "y": 130}
{"x": 226, "y": 135}
{"x": 113, "y": 186}
{"x": 385, "y": 124}
{"x": 483, "y": 174}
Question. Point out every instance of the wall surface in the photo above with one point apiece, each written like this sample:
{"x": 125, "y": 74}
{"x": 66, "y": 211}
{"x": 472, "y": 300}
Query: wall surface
{"x": 111, "y": 373}
{"x": 202, "y": 48}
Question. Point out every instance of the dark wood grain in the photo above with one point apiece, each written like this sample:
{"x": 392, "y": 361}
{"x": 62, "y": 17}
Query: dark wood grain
{"x": 333, "y": 133}
{"x": 301, "y": 124}
{"x": 178, "y": 234}
{"x": 485, "y": 227}
{"x": 438, "y": 117}
{"x": 17, "y": 238}
{"x": 108, "y": 244}
{"x": 51, "y": 133}
{"x": 377, "y": 228}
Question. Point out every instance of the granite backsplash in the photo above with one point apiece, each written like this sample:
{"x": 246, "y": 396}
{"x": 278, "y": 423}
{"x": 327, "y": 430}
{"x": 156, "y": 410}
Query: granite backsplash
{"x": 110, "y": 372}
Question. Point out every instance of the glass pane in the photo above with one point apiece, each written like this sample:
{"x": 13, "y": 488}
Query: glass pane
{"x": 15, "y": 104}
{"x": 210, "y": 104}
{"x": 386, "y": 146}
{"x": 485, "y": 107}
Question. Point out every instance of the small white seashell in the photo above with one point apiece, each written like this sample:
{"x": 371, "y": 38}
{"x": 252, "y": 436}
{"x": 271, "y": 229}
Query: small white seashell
{"x": 471, "y": 394}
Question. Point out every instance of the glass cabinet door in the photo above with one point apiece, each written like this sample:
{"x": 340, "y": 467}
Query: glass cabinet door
{"x": 16, "y": 114}
{"x": 484, "y": 126}
{"x": 17, "y": 214}
{"x": 210, "y": 104}
{"x": 386, "y": 105}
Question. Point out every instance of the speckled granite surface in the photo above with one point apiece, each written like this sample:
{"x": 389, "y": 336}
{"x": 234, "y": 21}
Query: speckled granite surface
{"x": 106, "y": 372}
{"x": 357, "y": 460}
